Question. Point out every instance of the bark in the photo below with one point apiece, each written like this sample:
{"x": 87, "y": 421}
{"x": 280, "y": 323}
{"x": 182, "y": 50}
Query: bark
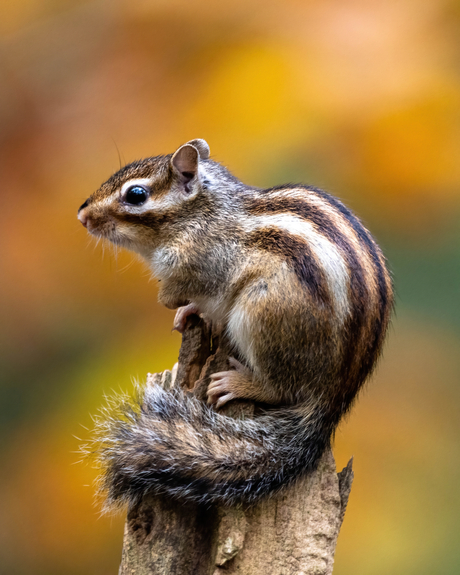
{"x": 293, "y": 533}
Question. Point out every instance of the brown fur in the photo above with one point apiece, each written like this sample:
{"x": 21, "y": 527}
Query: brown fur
{"x": 303, "y": 292}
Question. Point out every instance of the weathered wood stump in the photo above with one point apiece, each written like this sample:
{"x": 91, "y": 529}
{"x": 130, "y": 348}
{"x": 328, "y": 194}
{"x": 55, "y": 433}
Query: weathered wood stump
{"x": 292, "y": 533}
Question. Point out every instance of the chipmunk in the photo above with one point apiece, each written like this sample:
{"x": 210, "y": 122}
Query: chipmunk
{"x": 303, "y": 293}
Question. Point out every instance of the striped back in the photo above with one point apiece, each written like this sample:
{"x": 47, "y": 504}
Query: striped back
{"x": 338, "y": 262}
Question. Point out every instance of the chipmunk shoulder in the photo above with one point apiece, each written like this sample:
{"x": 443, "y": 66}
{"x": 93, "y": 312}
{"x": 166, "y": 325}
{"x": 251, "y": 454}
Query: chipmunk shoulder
{"x": 303, "y": 292}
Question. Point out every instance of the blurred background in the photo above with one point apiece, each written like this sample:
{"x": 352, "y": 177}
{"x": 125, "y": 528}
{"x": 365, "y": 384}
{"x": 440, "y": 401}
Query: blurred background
{"x": 360, "y": 98}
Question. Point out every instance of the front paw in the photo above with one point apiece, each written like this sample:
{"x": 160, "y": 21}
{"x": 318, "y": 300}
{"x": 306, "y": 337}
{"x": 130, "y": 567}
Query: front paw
{"x": 181, "y": 316}
{"x": 231, "y": 384}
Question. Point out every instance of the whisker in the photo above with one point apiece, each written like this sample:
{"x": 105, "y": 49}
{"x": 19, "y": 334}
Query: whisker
{"x": 127, "y": 266}
{"x": 119, "y": 155}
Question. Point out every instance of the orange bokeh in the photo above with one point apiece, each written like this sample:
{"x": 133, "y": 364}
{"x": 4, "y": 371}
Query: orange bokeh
{"x": 361, "y": 98}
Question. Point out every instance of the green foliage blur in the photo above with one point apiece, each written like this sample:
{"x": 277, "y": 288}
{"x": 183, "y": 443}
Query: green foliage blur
{"x": 360, "y": 98}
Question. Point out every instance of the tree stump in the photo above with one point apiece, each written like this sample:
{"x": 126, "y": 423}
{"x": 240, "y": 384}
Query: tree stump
{"x": 292, "y": 533}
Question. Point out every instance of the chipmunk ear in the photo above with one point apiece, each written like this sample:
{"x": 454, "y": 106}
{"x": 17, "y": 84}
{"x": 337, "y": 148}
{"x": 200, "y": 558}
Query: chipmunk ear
{"x": 202, "y": 147}
{"x": 185, "y": 164}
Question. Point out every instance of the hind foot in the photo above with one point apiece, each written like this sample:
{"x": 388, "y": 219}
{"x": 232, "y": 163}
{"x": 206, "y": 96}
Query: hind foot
{"x": 233, "y": 384}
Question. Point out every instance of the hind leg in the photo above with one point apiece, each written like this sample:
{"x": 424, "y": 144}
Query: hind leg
{"x": 238, "y": 383}
{"x": 231, "y": 384}
{"x": 263, "y": 325}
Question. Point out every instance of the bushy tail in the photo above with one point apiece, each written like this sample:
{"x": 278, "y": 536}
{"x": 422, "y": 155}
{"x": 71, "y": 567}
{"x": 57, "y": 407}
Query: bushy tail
{"x": 169, "y": 442}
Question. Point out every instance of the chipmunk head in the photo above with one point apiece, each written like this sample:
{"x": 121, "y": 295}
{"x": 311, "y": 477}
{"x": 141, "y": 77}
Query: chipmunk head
{"x": 133, "y": 206}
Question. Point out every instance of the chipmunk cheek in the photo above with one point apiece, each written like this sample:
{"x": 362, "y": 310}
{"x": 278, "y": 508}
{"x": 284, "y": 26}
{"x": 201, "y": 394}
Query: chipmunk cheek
{"x": 126, "y": 232}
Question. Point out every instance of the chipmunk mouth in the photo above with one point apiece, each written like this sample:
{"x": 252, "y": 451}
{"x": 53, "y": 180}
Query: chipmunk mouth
{"x": 93, "y": 228}
{"x": 100, "y": 227}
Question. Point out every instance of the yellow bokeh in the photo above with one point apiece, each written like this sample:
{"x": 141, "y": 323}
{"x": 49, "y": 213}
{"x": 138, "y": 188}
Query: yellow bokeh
{"x": 359, "y": 97}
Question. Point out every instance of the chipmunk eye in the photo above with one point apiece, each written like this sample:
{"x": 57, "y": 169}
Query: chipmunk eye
{"x": 136, "y": 195}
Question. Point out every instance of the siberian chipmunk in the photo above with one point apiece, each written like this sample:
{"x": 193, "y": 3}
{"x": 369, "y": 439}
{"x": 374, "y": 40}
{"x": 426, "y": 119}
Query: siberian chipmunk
{"x": 305, "y": 297}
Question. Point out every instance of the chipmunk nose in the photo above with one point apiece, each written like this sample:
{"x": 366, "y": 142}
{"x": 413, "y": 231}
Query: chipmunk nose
{"x": 83, "y": 217}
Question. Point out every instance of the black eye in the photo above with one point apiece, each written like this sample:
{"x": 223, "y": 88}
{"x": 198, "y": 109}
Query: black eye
{"x": 136, "y": 195}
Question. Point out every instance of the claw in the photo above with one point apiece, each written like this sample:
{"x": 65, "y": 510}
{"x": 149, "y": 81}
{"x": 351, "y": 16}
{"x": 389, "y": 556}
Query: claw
{"x": 218, "y": 375}
{"x": 224, "y": 399}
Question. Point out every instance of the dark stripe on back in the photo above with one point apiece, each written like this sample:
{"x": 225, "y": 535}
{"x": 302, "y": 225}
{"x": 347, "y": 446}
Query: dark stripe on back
{"x": 364, "y": 237}
{"x": 380, "y": 323}
{"x": 298, "y": 255}
{"x": 380, "y": 316}
{"x": 359, "y": 356}
{"x": 264, "y": 205}
{"x": 319, "y": 218}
